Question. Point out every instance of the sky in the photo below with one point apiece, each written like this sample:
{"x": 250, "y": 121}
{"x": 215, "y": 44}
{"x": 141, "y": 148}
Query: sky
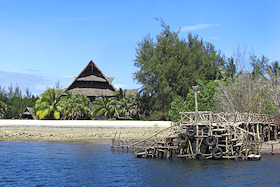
{"x": 49, "y": 41}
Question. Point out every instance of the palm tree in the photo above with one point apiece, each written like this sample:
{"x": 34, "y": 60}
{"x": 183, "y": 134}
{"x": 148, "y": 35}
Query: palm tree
{"x": 120, "y": 94}
{"x": 104, "y": 106}
{"x": 230, "y": 70}
{"x": 274, "y": 70}
{"x": 50, "y": 105}
{"x": 259, "y": 66}
{"x": 127, "y": 105}
{"x": 76, "y": 106}
{"x": 133, "y": 109}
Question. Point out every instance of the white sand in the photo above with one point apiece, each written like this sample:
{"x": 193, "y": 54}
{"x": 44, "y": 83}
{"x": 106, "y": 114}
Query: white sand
{"x": 83, "y": 123}
{"x": 76, "y": 130}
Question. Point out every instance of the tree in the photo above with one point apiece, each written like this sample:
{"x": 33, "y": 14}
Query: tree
{"x": 3, "y": 109}
{"x": 205, "y": 99}
{"x": 15, "y": 101}
{"x": 76, "y": 106}
{"x": 252, "y": 92}
{"x": 178, "y": 105}
{"x": 127, "y": 105}
{"x": 273, "y": 71}
{"x": 145, "y": 104}
{"x": 231, "y": 70}
{"x": 104, "y": 106}
{"x": 3, "y": 105}
{"x": 169, "y": 66}
{"x": 50, "y": 104}
{"x": 133, "y": 106}
{"x": 249, "y": 94}
{"x": 259, "y": 66}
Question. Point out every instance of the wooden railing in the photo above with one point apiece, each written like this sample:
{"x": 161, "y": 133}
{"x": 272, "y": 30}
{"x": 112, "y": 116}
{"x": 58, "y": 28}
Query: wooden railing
{"x": 207, "y": 116}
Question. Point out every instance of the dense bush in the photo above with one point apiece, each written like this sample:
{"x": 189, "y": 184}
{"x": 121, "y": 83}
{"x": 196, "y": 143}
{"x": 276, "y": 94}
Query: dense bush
{"x": 13, "y": 102}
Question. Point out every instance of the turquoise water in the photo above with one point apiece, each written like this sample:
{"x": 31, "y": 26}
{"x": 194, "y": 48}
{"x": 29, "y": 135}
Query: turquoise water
{"x": 70, "y": 164}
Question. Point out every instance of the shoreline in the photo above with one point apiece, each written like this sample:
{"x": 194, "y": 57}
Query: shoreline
{"x": 83, "y": 123}
{"x": 77, "y": 131}
{"x": 93, "y": 131}
{"x": 100, "y": 135}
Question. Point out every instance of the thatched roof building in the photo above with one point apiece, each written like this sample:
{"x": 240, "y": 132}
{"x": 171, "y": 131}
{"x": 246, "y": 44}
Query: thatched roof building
{"x": 92, "y": 82}
{"x": 28, "y": 113}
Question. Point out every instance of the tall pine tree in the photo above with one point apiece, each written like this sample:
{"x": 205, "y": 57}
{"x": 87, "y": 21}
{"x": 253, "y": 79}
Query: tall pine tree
{"x": 169, "y": 66}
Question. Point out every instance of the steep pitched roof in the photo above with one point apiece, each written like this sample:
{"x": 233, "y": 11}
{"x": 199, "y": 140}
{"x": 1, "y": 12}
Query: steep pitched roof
{"x": 28, "y": 113}
{"x": 92, "y": 82}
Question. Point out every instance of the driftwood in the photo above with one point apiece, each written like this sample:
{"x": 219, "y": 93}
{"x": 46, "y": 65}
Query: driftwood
{"x": 206, "y": 135}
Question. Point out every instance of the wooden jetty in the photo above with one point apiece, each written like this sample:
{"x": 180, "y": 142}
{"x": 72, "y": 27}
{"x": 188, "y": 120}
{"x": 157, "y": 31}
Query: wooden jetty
{"x": 207, "y": 135}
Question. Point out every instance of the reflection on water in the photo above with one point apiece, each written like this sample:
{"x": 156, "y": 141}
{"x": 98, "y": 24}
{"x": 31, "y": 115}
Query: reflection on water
{"x": 69, "y": 164}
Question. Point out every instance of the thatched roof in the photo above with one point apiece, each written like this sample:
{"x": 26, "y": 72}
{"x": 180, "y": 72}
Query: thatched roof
{"x": 131, "y": 91}
{"x": 92, "y": 82}
{"x": 110, "y": 79}
{"x": 91, "y": 78}
{"x": 28, "y": 113}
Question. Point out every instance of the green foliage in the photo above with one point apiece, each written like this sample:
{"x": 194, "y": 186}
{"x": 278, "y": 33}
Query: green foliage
{"x": 50, "y": 105}
{"x": 127, "y": 105}
{"x": 120, "y": 94}
{"x": 154, "y": 116}
{"x": 271, "y": 108}
{"x": 169, "y": 66}
{"x": 229, "y": 70}
{"x": 178, "y": 105}
{"x": 3, "y": 109}
{"x": 104, "y": 106}
{"x": 76, "y": 106}
{"x": 204, "y": 98}
{"x": 259, "y": 66}
{"x": 145, "y": 104}
{"x": 14, "y": 102}
{"x": 274, "y": 70}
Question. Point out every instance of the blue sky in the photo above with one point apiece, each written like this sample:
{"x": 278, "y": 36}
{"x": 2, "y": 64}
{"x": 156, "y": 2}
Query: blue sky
{"x": 42, "y": 42}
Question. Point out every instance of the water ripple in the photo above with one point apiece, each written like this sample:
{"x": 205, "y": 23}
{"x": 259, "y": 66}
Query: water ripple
{"x": 69, "y": 164}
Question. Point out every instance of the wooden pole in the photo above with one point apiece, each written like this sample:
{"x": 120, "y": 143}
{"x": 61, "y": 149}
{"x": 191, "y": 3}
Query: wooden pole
{"x": 196, "y": 106}
{"x": 268, "y": 132}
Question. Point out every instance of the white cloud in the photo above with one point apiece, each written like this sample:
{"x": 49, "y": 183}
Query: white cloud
{"x": 25, "y": 71}
{"x": 68, "y": 76}
{"x": 197, "y": 27}
{"x": 118, "y": 86}
{"x": 23, "y": 79}
{"x": 35, "y": 80}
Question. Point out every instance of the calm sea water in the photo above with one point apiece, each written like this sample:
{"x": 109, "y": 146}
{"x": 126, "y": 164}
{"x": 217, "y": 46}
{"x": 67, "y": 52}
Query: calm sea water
{"x": 71, "y": 164}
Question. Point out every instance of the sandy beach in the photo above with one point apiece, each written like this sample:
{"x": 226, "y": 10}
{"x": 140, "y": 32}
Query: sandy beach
{"x": 92, "y": 131}
{"x": 76, "y": 131}
{"x": 78, "y": 134}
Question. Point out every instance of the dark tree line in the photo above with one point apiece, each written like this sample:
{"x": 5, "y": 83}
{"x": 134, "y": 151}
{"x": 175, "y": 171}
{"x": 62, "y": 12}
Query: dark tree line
{"x": 13, "y": 102}
{"x": 168, "y": 67}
